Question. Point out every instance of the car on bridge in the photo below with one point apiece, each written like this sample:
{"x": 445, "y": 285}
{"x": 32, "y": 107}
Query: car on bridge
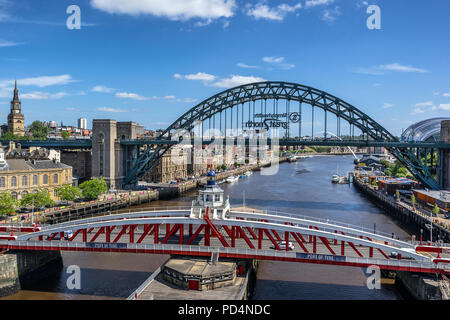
{"x": 67, "y": 235}
{"x": 282, "y": 245}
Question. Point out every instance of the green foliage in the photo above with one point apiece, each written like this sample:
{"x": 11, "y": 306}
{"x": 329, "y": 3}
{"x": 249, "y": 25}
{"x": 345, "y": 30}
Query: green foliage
{"x": 413, "y": 199}
{"x": 68, "y": 192}
{"x": 41, "y": 198}
{"x": 65, "y": 135}
{"x": 10, "y": 136}
{"x": 397, "y": 170}
{"x": 436, "y": 209}
{"x": 39, "y": 130}
{"x": 8, "y": 205}
{"x": 223, "y": 167}
{"x": 93, "y": 188}
{"x": 397, "y": 194}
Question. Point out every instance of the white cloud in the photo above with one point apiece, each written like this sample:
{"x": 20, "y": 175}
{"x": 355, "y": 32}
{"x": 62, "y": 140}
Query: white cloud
{"x": 314, "y": 3}
{"x": 246, "y": 66}
{"x": 236, "y": 80}
{"x": 178, "y": 10}
{"x": 393, "y": 67}
{"x": 331, "y": 14}
{"x": 41, "y": 82}
{"x": 6, "y": 43}
{"x": 198, "y": 76}
{"x": 417, "y": 111}
{"x": 273, "y": 59}
{"x": 263, "y": 11}
{"x": 424, "y": 104}
{"x": 38, "y": 95}
{"x": 103, "y": 89}
{"x": 127, "y": 95}
{"x": 387, "y": 105}
{"x": 114, "y": 110}
{"x": 446, "y": 94}
{"x": 278, "y": 62}
{"x": 401, "y": 68}
{"x": 445, "y": 107}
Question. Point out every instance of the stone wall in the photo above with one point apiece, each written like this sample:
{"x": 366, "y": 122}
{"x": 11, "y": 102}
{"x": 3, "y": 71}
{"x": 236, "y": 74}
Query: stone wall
{"x": 420, "y": 286}
{"x": 9, "y": 276}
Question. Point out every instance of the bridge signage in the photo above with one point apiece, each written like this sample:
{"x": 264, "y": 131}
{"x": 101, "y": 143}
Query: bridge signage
{"x": 95, "y": 245}
{"x": 272, "y": 120}
{"x": 322, "y": 257}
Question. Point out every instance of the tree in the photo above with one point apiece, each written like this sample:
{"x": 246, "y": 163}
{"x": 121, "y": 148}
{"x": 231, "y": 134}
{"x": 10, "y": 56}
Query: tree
{"x": 68, "y": 192}
{"x": 65, "y": 135}
{"x": 397, "y": 194}
{"x": 39, "y": 130}
{"x": 41, "y": 198}
{"x": 93, "y": 188}
{"x": 401, "y": 173}
{"x": 8, "y": 204}
{"x": 436, "y": 210}
{"x": 413, "y": 200}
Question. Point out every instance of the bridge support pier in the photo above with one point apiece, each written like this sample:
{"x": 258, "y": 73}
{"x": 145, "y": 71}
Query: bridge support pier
{"x": 444, "y": 157}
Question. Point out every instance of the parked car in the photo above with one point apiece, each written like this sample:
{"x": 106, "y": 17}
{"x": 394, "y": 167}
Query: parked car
{"x": 67, "y": 235}
{"x": 282, "y": 245}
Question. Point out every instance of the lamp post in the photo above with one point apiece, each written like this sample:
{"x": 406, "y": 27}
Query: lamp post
{"x": 421, "y": 234}
{"x": 431, "y": 226}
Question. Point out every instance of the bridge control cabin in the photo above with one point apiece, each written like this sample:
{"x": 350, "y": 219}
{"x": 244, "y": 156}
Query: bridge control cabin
{"x": 212, "y": 197}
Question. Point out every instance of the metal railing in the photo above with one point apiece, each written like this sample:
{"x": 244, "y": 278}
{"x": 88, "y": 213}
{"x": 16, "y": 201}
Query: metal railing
{"x": 198, "y": 250}
{"x": 144, "y": 285}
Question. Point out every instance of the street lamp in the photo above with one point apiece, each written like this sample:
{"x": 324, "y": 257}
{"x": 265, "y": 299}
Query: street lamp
{"x": 431, "y": 226}
{"x": 421, "y": 234}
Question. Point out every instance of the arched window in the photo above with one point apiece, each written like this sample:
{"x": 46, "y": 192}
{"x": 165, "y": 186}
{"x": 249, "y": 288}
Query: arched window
{"x": 2, "y": 182}
{"x": 24, "y": 193}
{"x": 24, "y": 181}
{"x": 55, "y": 178}
{"x": 35, "y": 191}
{"x": 45, "y": 179}
{"x": 13, "y": 182}
{"x": 14, "y": 195}
{"x": 35, "y": 180}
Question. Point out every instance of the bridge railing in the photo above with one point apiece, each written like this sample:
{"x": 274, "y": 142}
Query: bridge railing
{"x": 328, "y": 221}
{"x": 199, "y": 250}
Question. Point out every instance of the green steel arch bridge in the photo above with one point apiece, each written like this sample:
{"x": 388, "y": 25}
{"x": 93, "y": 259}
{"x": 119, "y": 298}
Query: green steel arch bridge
{"x": 298, "y": 111}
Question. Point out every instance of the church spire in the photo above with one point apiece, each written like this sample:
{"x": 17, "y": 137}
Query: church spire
{"x": 16, "y": 92}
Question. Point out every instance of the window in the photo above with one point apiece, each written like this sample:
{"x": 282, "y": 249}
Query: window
{"x": 13, "y": 182}
{"x": 35, "y": 191}
{"x": 55, "y": 193}
{"x": 24, "y": 181}
{"x": 35, "y": 180}
{"x": 2, "y": 182}
{"x": 45, "y": 179}
{"x": 55, "y": 178}
{"x": 24, "y": 194}
{"x": 14, "y": 195}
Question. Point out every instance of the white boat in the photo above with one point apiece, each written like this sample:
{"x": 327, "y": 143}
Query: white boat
{"x": 232, "y": 179}
{"x": 335, "y": 178}
{"x": 248, "y": 173}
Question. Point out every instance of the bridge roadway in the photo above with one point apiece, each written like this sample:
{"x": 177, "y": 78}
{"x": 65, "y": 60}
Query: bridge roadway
{"x": 253, "y": 235}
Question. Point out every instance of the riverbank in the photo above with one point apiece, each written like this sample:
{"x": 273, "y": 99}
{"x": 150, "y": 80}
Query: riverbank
{"x": 125, "y": 200}
{"x": 403, "y": 212}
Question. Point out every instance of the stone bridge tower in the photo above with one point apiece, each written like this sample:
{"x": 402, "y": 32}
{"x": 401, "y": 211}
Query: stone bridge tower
{"x": 110, "y": 159}
{"x": 444, "y": 156}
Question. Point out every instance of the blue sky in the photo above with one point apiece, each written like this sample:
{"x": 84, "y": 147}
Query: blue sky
{"x": 149, "y": 61}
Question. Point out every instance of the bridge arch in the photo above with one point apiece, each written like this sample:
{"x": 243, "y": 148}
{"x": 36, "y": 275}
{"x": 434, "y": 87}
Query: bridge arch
{"x": 290, "y": 92}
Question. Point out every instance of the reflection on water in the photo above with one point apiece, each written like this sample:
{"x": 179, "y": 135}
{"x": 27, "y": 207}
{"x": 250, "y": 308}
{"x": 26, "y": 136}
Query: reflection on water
{"x": 302, "y": 188}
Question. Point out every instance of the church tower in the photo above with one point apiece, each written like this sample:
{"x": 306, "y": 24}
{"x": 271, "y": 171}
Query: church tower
{"x": 15, "y": 117}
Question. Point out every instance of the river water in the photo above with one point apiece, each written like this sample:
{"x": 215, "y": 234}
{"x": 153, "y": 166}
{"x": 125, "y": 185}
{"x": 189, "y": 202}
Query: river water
{"x": 302, "y": 188}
